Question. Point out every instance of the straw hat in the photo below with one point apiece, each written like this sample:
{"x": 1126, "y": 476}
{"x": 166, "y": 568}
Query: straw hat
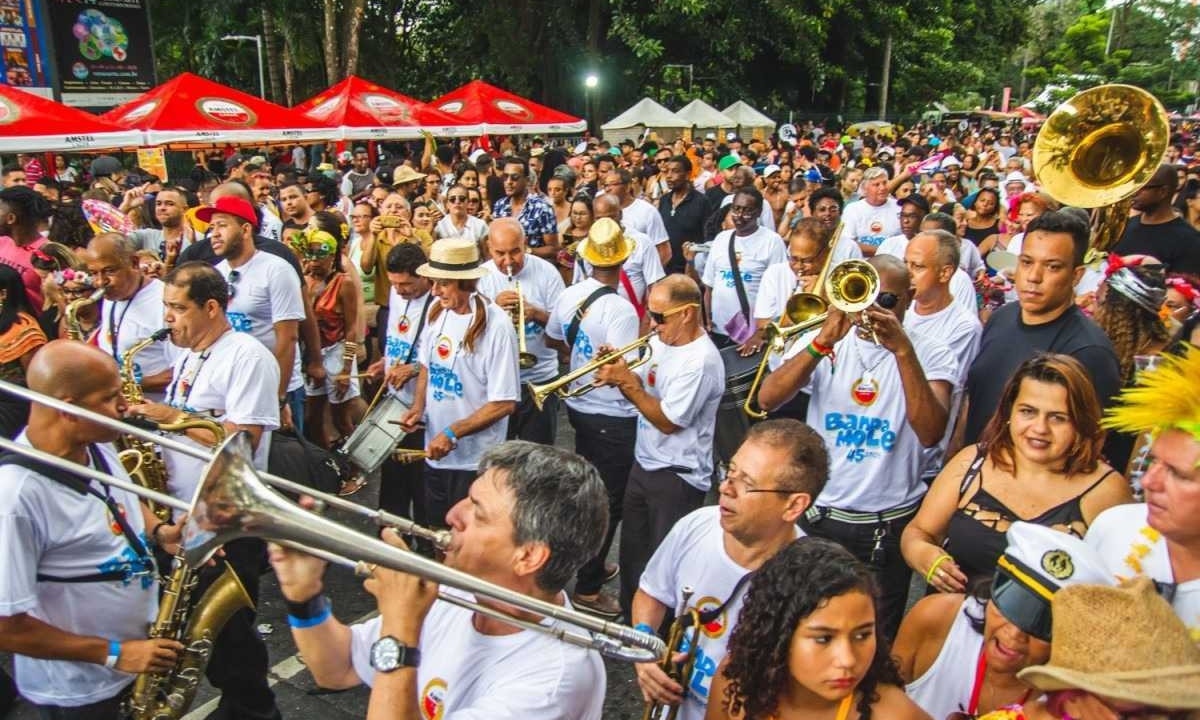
{"x": 605, "y": 245}
{"x": 453, "y": 259}
{"x": 405, "y": 174}
{"x": 1123, "y": 643}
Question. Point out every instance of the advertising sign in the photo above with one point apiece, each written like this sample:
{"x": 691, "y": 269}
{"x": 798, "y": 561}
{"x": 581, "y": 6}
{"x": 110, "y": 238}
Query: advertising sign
{"x": 24, "y": 60}
{"x": 103, "y": 49}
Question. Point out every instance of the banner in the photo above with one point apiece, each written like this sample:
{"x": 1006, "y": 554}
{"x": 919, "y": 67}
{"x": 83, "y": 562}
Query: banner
{"x": 24, "y": 60}
{"x": 154, "y": 161}
{"x": 103, "y": 51}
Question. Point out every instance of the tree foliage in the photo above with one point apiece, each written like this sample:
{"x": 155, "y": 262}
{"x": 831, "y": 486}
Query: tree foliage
{"x": 816, "y": 57}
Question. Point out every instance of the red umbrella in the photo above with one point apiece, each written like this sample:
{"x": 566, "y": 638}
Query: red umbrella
{"x": 32, "y": 123}
{"x": 500, "y": 111}
{"x": 188, "y": 109}
{"x": 359, "y": 108}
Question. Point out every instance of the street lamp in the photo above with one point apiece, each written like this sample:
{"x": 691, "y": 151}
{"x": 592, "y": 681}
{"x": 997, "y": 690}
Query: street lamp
{"x": 590, "y": 83}
{"x": 262, "y": 83}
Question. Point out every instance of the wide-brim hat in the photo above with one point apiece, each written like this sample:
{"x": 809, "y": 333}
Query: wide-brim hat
{"x": 453, "y": 259}
{"x": 605, "y": 245}
{"x": 1124, "y": 643}
{"x": 405, "y": 174}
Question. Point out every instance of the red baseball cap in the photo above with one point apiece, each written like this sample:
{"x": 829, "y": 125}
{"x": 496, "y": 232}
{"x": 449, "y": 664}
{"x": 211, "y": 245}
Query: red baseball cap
{"x": 230, "y": 205}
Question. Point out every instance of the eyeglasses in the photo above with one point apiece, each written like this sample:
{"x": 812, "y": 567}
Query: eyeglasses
{"x": 741, "y": 485}
{"x": 661, "y": 317}
{"x": 361, "y": 216}
{"x": 234, "y": 276}
{"x": 456, "y": 198}
{"x": 742, "y": 210}
{"x": 513, "y": 176}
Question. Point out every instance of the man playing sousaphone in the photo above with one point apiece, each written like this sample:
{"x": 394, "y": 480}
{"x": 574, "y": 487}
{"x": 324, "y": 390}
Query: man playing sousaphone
{"x": 467, "y": 386}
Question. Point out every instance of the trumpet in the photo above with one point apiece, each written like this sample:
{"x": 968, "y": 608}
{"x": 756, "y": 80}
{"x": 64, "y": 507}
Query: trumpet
{"x": 525, "y": 358}
{"x": 679, "y": 672}
{"x": 234, "y": 500}
{"x": 559, "y": 385}
{"x": 853, "y": 287}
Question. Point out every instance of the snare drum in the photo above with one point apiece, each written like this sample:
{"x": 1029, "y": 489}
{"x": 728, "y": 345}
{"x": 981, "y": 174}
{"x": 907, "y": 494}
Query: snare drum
{"x": 732, "y": 421}
{"x": 376, "y": 437}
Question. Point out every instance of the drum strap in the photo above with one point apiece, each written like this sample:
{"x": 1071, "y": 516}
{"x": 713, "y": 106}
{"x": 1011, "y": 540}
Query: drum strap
{"x": 412, "y": 349}
{"x": 573, "y": 328}
{"x": 743, "y": 299}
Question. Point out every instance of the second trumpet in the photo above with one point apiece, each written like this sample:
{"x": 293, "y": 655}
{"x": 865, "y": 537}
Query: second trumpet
{"x": 561, "y": 384}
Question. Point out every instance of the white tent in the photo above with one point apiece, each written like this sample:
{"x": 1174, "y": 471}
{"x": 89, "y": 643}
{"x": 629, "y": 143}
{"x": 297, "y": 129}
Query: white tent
{"x": 705, "y": 117}
{"x": 750, "y": 122}
{"x": 644, "y": 115}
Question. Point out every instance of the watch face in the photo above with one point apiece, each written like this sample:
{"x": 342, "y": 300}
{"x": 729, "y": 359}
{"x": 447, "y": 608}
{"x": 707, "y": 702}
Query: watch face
{"x": 385, "y": 654}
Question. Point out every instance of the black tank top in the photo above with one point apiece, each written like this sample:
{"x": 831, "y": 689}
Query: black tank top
{"x": 975, "y": 536}
{"x": 978, "y": 235}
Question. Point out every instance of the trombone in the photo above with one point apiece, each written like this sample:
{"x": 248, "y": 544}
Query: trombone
{"x": 853, "y": 287}
{"x": 233, "y": 501}
{"x": 559, "y": 385}
{"x": 525, "y": 358}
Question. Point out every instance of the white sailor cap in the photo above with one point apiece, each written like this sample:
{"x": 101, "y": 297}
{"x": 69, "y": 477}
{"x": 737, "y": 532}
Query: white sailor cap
{"x": 1036, "y": 564}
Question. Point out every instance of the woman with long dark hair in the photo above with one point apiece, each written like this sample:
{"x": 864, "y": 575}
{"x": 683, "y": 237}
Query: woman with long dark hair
{"x": 806, "y": 644}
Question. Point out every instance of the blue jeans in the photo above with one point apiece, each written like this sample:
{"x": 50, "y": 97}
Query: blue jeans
{"x": 295, "y": 401}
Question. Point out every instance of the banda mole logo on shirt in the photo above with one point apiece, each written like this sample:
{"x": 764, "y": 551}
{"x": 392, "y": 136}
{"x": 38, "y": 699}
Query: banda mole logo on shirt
{"x": 652, "y": 375}
{"x": 444, "y": 347}
{"x": 876, "y": 227}
{"x": 225, "y": 111}
{"x": 433, "y": 699}
{"x": 403, "y": 325}
{"x": 716, "y": 628}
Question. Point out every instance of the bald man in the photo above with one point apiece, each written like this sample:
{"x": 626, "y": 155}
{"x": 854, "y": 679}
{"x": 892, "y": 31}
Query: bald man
{"x": 540, "y": 285}
{"x": 131, "y": 311}
{"x": 310, "y": 338}
{"x": 77, "y": 587}
{"x": 888, "y": 400}
{"x": 676, "y": 395}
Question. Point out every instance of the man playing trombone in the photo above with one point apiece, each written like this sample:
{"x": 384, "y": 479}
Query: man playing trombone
{"x": 77, "y": 587}
{"x": 590, "y": 315}
{"x": 531, "y": 519}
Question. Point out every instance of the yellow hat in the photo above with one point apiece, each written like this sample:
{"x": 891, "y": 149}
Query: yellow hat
{"x": 605, "y": 246}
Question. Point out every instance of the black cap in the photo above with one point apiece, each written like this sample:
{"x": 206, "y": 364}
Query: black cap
{"x": 918, "y": 200}
{"x": 234, "y": 160}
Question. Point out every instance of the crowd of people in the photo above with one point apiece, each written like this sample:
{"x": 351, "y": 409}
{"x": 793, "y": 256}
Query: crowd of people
{"x": 1010, "y": 418}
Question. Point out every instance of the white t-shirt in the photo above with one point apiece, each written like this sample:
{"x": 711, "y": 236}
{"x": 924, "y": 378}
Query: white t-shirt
{"x": 466, "y": 675}
{"x": 946, "y": 686}
{"x": 46, "y": 527}
{"x": 688, "y": 381}
{"x": 126, "y": 322}
{"x": 874, "y": 455}
{"x": 755, "y": 253}
{"x": 271, "y": 226}
{"x": 969, "y": 258}
{"x": 779, "y": 282}
{"x": 960, "y": 332}
{"x": 693, "y": 554}
{"x": 962, "y": 288}
{"x": 404, "y": 317}
{"x": 541, "y": 285}
{"x": 267, "y": 291}
{"x": 609, "y": 320}
{"x": 869, "y": 224}
{"x": 474, "y": 229}
{"x": 462, "y": 381}
{"x": 643, "y": 267}
{"x": 234, "y": 380}
{"x": 1130, "y": 548}
{"x": 644, "y": 218}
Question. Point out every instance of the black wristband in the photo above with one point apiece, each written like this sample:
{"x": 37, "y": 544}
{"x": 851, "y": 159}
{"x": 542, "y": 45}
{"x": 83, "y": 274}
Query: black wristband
{"x": 154, "y": 532}
{"x": 308, "y": 609}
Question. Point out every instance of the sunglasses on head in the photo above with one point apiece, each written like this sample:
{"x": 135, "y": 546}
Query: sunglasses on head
{"x": 661, "y": 317}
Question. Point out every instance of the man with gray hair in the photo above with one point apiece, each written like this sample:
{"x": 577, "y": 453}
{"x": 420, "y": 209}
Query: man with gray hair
{"x": 932, "y": 260}
{"x": 531, "y": 519}
{"x": 873, "y": 218}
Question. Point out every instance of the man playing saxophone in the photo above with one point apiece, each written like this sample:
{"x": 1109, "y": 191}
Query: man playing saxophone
{"x": 130, "y": 311}
{"x": 531, "y": 519}
{"x": 77, "y": 585}
{"x": 233, "y": 379}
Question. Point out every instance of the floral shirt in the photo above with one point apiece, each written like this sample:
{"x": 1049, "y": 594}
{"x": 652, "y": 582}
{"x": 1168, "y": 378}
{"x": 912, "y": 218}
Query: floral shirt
{"x": 537, "y": 218}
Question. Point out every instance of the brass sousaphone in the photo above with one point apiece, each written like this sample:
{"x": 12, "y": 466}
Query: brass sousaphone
{"x": 1097, "y": 150}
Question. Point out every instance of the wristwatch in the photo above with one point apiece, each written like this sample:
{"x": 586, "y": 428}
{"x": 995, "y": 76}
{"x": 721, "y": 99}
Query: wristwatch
{"x": 388, "y": 655}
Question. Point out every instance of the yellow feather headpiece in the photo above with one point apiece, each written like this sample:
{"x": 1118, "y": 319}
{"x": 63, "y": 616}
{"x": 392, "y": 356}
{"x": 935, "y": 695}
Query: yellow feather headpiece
{"x": 1167, "y": 397}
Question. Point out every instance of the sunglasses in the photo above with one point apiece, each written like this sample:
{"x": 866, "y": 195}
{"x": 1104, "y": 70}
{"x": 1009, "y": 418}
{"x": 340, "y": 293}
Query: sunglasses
{"x": 513, "y": 176}
{"x": 234, "y": 276}
{"x": 661, "y": 317}
{"x": 456, "y": 198}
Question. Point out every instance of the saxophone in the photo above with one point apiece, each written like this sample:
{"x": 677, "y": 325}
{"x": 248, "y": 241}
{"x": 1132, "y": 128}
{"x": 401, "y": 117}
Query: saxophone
{"x": 167, "y": 696}
{"x": 71, "y": 315}
{"x": 141, "y": 459}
